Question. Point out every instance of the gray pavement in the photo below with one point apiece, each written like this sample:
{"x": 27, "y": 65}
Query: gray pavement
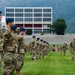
{"x": 53, "y": 39}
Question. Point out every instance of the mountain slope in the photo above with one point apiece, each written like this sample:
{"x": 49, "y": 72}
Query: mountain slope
{"x": 61, "y": 8}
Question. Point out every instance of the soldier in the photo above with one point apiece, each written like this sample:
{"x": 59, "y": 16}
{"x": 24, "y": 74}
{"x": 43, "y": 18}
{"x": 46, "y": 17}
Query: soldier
{"x": 14, "y": 30}
{"x": 48, "y": 48}
{"x": 9, "y": 48}
{"x": 32, "y": 47}
{"x": 1, "y": 41}
{"x": 41, "y": 44}
{"x": 38, "y": 48}
{"x": 72, "y": 48}
{"x": 64, "y": 48}
{"x": 43, "y": 49}
{"x": 21, "y": 51}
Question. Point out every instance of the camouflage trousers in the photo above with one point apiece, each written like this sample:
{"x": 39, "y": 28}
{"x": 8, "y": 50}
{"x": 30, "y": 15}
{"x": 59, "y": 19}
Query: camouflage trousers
{"x": 64, "y": 51}
{"x": 33, "y": 54}
{"x": 1, "y": 59}
{"x": 44, "y": 51}
{"x": 9, "y": 63}
{"x": 41, "y": 54}
{"x": 19, "y": 61}
{"x": 37, "y": 54}
{"x": 73, "y": 53}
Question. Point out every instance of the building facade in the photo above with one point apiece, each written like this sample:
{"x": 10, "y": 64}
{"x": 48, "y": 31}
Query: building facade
{"x": 38, "y": 19}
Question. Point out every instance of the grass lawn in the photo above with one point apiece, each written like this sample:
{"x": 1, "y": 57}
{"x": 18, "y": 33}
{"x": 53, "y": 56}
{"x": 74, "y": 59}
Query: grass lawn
{"x": 53, "y": 64}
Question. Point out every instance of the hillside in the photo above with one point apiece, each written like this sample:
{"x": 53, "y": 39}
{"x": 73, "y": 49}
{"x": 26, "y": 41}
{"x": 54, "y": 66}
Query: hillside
{"x": 61, "y": 9}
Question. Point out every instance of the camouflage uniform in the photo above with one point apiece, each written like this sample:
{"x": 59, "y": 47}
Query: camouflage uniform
{"x": 64, "y": 47}
{"x": 47, "y": 49}
{"x": 9, "y": 52}
{"x": 21, "y": 53}
{"x": 32, "y": 47}
{"x": 72, "y": 49}
{"x": 41, "y": 53}
{"x": 1, "y": 46}
{"x": 43, "y": 49}
{"x": 38, "y": 49}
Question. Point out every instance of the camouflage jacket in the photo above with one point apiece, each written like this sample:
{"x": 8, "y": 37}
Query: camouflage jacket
{"x": 9, "y": 40}
{"x": 21, "y": 44}
{"x": 32, "y": 45}
{"x": 72, "y": 45}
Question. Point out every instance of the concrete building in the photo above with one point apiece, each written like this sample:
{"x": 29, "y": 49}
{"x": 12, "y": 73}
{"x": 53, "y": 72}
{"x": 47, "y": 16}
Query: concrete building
{"x": 38, "y": 19}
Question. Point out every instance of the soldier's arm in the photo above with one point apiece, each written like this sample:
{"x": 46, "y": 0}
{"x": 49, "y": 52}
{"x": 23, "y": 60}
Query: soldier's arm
{"x": 70, "y": 44}
{"x": 7, "y": 35}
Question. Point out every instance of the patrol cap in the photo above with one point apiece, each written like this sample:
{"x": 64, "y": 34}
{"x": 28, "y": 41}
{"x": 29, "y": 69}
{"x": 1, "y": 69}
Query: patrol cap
{"x": 9, "y": 20}
{"x": 0, "y": 12}
{"x": 38, "y": 39}
{"x": 41, "y": 40}
{"x": 14, "y": 27}
{"x": 22, "y": 29}
{"x": 33, "y": 36}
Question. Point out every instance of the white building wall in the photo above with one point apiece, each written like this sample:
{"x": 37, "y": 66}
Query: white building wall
{"x": 13, "y": 11}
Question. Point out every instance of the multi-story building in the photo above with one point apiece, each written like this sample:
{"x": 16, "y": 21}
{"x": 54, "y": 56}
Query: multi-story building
{"x": 38, "y": 19}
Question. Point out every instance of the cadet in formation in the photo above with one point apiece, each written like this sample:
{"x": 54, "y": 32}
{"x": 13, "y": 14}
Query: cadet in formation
{"x": 64, "y": 48}
{"x": 9, "y": 48}
{"x": 72, "y": 48}
{"x": 21, "y": 51}
{"x": 32, "y": 47}
{"x": 38, "y": 49}
{"x": 1, "y": 42}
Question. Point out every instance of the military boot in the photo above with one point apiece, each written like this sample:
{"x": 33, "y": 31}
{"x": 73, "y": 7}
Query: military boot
{"x": 72, "y": 58}
{"x": 18, "y": 73}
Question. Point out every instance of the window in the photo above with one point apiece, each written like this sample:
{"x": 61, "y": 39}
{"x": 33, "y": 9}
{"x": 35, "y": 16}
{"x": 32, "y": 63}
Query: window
{"x": 46, "y": 19}
{"x": 37, "y": 19}
{"x": 19, "y": 19}
{"x": 47, "y": 15}
{"x": 37, "y": 25}
{"x": 47, "y": 31}
{"x": 9, "y": 10}
{"x": 18, "y": 10}
{"x": 46, "y": 10}
{"x": 28, "y": 19}
{"x": 28, "y": 25}
{"x": 19, "y": 25}
{"x": 28, "y": 10}
{"x": 18, "y": 14}
{"x": 28, "y": 15}
{"x": 37, "y": 31}
{"x": 38, "y": 15}
{"x": 37, "y": 10}
{"x": 9, "y": 14}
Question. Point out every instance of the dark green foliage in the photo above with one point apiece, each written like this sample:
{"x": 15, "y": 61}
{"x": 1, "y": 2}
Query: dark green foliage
{"x": 42, "y": 33}
{"x": 29, "y": 32}
{"x": 60, "y": 26}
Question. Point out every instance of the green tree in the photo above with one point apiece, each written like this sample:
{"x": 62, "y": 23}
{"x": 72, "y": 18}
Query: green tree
{"x": 60, "y": 26}
{"x": 29, "y": 32}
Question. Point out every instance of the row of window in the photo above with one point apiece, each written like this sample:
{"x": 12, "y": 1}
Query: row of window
{"x": 28, "y": 15}
{"x": 31, "y": 19}
{"x": 28, "y": 10}
{"x": 40, "y": 30}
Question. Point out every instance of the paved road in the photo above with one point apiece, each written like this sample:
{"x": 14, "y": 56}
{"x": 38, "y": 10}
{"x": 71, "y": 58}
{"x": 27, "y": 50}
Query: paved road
{"x": 53, "y": 39}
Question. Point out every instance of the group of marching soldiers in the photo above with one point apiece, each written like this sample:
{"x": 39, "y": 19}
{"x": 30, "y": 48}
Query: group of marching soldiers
{"x": 63, "y": 48}
{"x": 13, "y": 47}
{"x": 38, "y": 48}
